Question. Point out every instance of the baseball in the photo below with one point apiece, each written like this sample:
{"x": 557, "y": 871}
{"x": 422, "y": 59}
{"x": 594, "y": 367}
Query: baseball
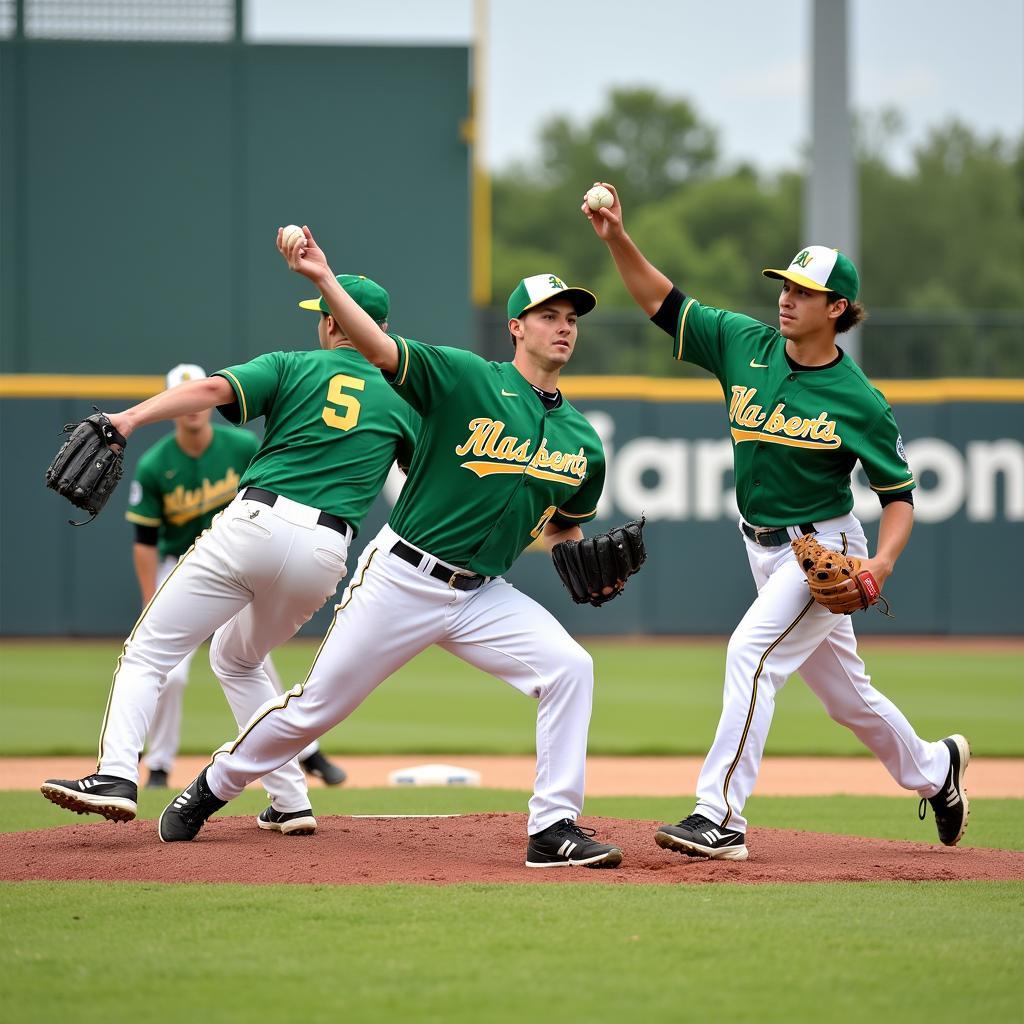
{"x": 599, "y": 198}
{"x": 289, "y": 232}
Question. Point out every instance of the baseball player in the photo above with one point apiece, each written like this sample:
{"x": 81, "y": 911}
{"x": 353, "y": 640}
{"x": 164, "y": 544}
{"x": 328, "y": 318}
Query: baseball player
{"x": 502, "y": 460}
{"x": 180, "y": 483}
{"x": 270, "y": 559}
{"x": 801, "y": 415}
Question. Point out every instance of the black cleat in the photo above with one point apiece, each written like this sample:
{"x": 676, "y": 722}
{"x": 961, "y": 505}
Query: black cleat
{"x": 565, "y": 844}
{"x": 950, "y": 803}
{"x": 113, "y": 797}
{"x": 186, "y": 814}
{"x": 289, "y": 823}
{"x": 329, "y": 773}
{"x": 157, "y": 779}
{"x": 697, "y": 836}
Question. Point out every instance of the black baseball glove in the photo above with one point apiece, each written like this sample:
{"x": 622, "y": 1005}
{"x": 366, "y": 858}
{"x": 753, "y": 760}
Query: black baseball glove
{"x": 86, "y": 469}
{"x": 588, "y": 566}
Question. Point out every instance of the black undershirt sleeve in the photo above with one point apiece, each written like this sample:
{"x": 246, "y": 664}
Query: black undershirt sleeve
{"x": 146, "y": 535}
{"x": 667, "y": 317}
{"x": 888, "y": 499}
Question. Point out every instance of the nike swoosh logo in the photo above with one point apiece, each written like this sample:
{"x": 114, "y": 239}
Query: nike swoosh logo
{"x": 509, "y": 394}
{"x": 171, "y": 474}
{"x": 758, "y": 366}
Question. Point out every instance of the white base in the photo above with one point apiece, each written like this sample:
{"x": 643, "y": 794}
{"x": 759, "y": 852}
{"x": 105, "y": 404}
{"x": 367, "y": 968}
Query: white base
{"x": 434, "y": 775}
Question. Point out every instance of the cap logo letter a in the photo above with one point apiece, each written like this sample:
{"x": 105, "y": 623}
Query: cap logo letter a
{"x": 802, "y": 259}
{"x": 554, "y": 282}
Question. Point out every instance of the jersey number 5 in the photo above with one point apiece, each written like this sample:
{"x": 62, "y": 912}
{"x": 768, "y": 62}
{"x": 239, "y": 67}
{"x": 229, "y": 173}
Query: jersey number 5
{"x": 346, "y": 414}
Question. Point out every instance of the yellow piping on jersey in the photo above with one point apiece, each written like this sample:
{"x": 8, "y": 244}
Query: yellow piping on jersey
{"x": 739, "y": 436}
{"x": 895, "y": 487}
{"x": 241, "y": 395}
{"x": 483, "y": 469}
{"x": 405, "y": 349}
{"x": 682, "y": 327}
{"x": 576, "y": 515}
{"x": 134, "y": 517}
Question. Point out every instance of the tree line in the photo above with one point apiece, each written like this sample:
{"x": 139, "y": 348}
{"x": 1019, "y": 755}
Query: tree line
{"x": 945, "y": 235}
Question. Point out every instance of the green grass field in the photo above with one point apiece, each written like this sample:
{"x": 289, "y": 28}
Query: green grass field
{"x": 910, "y": 952}
{"x": 225, "y": 953}
{"x": 660, "y": 698}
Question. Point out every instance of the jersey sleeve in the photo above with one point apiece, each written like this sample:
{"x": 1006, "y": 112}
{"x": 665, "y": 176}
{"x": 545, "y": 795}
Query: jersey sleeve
{"x": 582, "y": 506}
{"x": 428, "y": 374}
{"x": 703, "y": 333}
{"x": 883, "y": 457}
{"x": 145, "y": 502}
{"x": 255, "y": 385}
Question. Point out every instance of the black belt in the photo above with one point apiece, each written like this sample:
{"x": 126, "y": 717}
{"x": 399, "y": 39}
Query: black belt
{"x": 774, "y": 536}
{"x": 455, "y": 580}
{"x": 335, "y": 523}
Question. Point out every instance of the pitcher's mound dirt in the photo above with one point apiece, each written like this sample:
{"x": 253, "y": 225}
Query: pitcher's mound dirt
{"x": 469, "y": 848}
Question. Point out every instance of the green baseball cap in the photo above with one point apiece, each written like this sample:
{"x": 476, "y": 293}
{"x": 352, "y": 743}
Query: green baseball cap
{"x": 533, "y": 291}
{"x": 370, "y": 296}
{"x": 821, "y": 270}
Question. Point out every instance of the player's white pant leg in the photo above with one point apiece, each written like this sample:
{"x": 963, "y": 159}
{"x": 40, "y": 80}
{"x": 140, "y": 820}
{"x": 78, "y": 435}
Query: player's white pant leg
{"x": 387, "y": 615}
{"x": 275, "y": 680}
{"x": 836, "y": 674}
{"x": 773, "y": 639}
{"x": 502, "y": 631}
{"x": 308, "y": 576}
{"x": 202, "y": 592}
{"x": 165, "y": 729}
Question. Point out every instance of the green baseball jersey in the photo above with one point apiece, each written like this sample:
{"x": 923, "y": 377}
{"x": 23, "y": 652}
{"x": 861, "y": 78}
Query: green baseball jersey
{"x": 796, "y": 434}
{"x": 332, "y": 427}
{"x": 492, "y": 465}
{"x": 180, "y": 494}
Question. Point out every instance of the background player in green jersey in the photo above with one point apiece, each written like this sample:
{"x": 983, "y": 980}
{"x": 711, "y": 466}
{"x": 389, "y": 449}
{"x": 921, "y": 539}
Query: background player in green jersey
{"x": 501, "y": 460}
{"x": 180, "y": 484}
{"x": 802, "y": 415}
{"x": 333, "y": 428}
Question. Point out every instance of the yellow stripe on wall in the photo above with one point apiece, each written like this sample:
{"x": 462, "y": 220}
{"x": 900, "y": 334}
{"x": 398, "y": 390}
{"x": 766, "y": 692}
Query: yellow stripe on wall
{"x": 661, "y": 389}
{"x": 76, "y": 385}
{"x": 653, "y": 389}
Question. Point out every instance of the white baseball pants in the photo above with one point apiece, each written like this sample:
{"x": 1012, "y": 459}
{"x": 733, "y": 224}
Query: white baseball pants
{"x": 392, "y": 610}
{"x": 259, "y": 572}
{"x": 165, "y": 729}
{"x": 786, "y": 631}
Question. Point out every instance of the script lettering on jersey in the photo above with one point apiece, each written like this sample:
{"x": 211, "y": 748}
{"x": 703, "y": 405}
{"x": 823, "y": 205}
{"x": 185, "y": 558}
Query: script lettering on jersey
{"x": 752, "y": 423}
{"x": 498, "y": 452}
{"x": 183, "y": 505}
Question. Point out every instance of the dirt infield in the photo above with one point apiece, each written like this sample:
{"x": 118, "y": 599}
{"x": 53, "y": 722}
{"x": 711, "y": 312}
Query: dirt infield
{"x": 606, "y": 776}
{"x": 464, "y": 849}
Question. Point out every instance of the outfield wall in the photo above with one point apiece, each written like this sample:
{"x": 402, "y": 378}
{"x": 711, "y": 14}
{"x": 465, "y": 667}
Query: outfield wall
{"x": 669, "y": 456}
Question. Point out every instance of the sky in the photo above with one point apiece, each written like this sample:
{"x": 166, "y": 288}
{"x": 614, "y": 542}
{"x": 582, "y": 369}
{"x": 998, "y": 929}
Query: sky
{"x": 744, "y": 64}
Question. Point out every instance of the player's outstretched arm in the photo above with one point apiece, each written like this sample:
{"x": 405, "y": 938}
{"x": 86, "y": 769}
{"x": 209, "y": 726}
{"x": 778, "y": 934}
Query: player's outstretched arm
{"x": 893, "y": 533}
{"x": 305, "y": 257}
{"x": 192, "y": 396}
{"x": 648, "y": 285}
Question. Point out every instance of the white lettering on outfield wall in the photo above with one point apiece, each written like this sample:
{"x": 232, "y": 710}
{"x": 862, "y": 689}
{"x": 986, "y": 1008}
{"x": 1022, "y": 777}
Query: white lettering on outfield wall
{"x": 670, "y": 478}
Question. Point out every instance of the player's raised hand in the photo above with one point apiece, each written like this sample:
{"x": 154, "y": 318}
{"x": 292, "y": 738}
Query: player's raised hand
{"x": 301, "y": 252}
{"x": 605, "y": 220}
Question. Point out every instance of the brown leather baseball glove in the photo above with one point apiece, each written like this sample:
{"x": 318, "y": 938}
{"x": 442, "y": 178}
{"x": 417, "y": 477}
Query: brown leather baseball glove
{"x": 835, "y": 580}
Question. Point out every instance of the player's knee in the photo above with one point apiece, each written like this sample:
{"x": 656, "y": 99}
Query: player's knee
{"x": 579, "y": 665}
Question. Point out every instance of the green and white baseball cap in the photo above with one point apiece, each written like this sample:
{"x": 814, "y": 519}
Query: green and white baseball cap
{"x": 536, "y": 290}
{"x": 183, "y": 372}
{"x": 821, "y": 270}
{"x": 370, "y": 296}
